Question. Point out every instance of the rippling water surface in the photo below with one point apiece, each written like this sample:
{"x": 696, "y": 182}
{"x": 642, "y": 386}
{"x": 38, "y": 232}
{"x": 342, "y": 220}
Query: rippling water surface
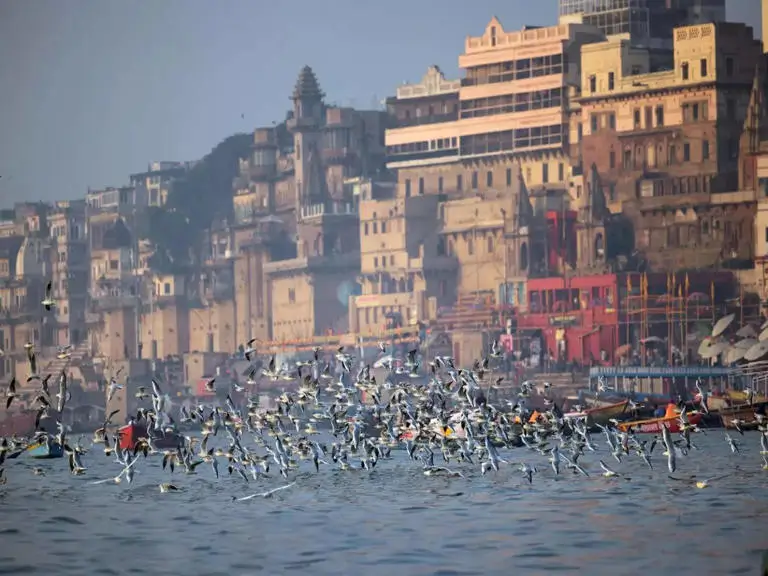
{"x": 392, "y": 520}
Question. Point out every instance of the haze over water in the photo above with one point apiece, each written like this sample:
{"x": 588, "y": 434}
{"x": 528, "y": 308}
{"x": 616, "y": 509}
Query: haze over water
{"x": 392, "y": 520}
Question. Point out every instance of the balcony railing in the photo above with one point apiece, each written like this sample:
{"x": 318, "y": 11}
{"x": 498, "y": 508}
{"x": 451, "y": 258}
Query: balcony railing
{"x": 329, "y": 209}
{"x": 422, "y": 155}
{"x": 342, "y": 261}
{"x": 112, "y": 302}
{"x": 424, "y": 120}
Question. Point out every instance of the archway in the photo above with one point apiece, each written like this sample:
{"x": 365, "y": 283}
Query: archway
{"x": 599, "y": 246}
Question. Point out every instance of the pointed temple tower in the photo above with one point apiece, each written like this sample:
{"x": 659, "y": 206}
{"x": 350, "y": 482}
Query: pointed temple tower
{"x": 754, "y": 136}
{"x": 522, "y": 237}
{"x": 307, "y": 129}
{"x": 591, "y": 232}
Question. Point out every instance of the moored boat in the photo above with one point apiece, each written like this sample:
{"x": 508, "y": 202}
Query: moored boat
{"x": 601, "y": 414}
{"x": 45, "y": 450}
{"x": 654, "y": 425}
{"x": 131, "y": 433}
{"x": 744, "y": 416}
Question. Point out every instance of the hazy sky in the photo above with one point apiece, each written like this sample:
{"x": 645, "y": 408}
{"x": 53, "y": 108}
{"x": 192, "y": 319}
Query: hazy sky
{"x": 92, "y": 90}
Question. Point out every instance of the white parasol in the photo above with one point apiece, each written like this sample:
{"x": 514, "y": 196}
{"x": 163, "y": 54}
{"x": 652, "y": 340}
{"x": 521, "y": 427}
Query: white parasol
{"x": 722, "y": 325}
{"x": 756, "y": 352}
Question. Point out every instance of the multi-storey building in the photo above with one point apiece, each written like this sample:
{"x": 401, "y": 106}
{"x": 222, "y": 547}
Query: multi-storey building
{"x": 157, "y": 180}
{"x": 295, "y": 238}
{"x": 486, "y": 145}
{"x": 406, "y": 273}
{"x": 23, "y": 278}
{"x": 113, "y": 316}
{"x": 70, "y": 264}
{"x": 666, "y": 144}
{"x": 511, "y": 108}
{"x": 646, "y": 23}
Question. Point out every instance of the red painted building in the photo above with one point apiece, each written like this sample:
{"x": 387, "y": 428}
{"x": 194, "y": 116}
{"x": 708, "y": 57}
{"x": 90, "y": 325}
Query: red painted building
{"x": 574, "y": 318}
{"x": 561, "y": 234}
{"x": 587, "y": 318}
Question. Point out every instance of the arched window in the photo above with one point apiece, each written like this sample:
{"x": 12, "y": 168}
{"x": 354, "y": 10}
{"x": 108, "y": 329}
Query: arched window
{"x": 599, "y": 246}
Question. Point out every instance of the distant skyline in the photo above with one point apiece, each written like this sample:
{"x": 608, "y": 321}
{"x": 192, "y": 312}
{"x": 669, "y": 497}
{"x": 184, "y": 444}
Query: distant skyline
{"x": 92, "y": 91}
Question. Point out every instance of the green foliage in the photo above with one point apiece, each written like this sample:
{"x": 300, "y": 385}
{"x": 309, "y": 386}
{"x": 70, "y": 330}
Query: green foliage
{"x": 206, "y": 191}
{"x": 202, "y": 195}
{"x": 171, "y": 235}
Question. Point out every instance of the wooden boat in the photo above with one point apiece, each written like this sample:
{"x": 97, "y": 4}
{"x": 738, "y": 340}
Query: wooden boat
{"x": 130, "y": 434}
{"x": 654, "y": 425}
{"x": 744, "y": 414}
{"x": 45, "y": 450}
{"x": 739, "y": 397}
{"x": 601, "y": 414}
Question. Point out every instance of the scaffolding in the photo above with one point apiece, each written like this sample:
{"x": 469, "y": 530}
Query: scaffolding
{"x": 673, "y": 314}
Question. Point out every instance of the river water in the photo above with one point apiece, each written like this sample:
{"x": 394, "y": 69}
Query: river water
{"x": 392, "y": 520}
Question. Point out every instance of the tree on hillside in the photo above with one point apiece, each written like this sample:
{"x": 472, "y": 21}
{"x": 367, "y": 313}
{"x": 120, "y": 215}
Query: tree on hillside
{"x": 202, "y": 195}
{"x": 205, "y": 193}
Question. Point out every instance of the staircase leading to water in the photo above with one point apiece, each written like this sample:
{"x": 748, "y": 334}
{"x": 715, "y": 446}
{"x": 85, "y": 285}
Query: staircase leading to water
{"x": 559, "y": 381}
{"x": 58, "y": 364}
{"x": 470, "y": 312}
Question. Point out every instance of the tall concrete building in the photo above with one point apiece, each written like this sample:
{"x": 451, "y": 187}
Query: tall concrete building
{"x": 646, "y": 23}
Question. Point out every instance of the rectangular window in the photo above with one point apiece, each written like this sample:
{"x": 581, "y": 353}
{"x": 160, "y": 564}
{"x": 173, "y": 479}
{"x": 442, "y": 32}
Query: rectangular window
{"x": 648, "y": 117}
{"x": 659, "y": 115}
{"x": 684, "y": 70}
{"x": 421, "y": 186}
{"x": 407, "y": 188}
{"x": 593, "y": 124}
{"x": 703, "y": 63}
{"x": 612, "y": 159}
{"x": 611, "y": 80}
{"x": 686, "y": 152}
{"x": 459, "y": 182}
{"x": 440, "y": 185}
{"x": 729, "y": 66}
{"x": 561, "y": 172}
{"x": 705, "y": 150}
{"x": 474, "y": 180}
{"x": 545, "y": 173}
{"x": 762, "y": 185}
{"x": 509, "y": 176}
{"x": 612, "y": 121}
{"x": 636, "y": 116}
{"x": 489, "y": 179}
{"x": 593, "y": 83}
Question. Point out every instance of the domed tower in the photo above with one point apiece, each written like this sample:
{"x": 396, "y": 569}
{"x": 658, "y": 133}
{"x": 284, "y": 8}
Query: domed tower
{"x": 306, "y": 127}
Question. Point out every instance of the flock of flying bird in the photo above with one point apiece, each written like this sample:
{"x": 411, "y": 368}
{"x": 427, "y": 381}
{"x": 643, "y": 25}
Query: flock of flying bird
{"x": 445, "y": 416}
